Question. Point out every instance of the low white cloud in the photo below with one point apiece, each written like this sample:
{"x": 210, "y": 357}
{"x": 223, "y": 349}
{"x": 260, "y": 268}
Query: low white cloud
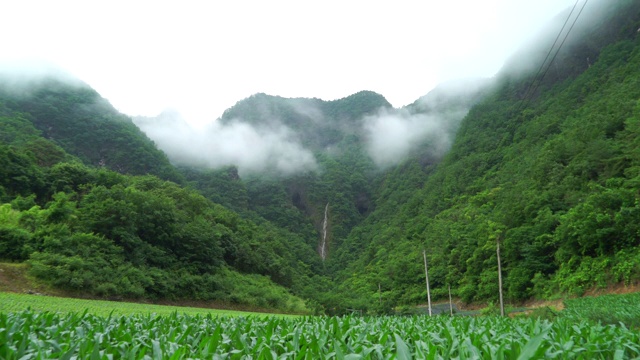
{"x": 202, "y": 56}
{"x": 252, "y": 149}
{"x": 393, "y": 134}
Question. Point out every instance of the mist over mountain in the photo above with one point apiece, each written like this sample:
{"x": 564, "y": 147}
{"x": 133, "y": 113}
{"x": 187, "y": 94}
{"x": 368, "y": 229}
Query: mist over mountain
{"x": 430, "y": 122}
{"x": 75, "y": 117}
{"x": 273, "y": 134}
{"x": 252, "y": 149}
{"x": 392, "y": 134}
{"x": 22, "y": 76}
{"x": 571, "y": 41}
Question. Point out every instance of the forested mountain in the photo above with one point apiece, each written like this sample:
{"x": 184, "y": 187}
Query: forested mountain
{"x": 331, "y": 132}
{"x": 337, "y": 200}
{"x": 75, "y": 117}
{"x": 344, "y": 139}
{"x": 90, "y": 230}
{"x": 547, "y": 167}
{"x": 316, "y": 123}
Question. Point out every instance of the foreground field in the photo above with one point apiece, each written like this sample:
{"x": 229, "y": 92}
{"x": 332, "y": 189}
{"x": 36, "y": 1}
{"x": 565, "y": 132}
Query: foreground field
{"x": 44, "y": 335}
{"x": 39, "y": 327}
{"x": 12, "y": 302}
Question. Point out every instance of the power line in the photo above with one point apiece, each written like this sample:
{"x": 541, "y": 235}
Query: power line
{"x": 551, "y": 49}
{"x": 556, "y": 54}
{"x": 536, "y": 82}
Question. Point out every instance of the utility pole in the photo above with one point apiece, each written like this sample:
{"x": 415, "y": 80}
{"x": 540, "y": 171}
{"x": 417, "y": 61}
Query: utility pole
{"x": 426, "y": 275}
{"x": 450, "y": 302}
{"x": 499, "y": 275}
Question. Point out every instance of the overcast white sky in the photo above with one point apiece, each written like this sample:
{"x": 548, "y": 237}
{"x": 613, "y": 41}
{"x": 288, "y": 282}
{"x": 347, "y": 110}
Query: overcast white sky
{"x": 201, "y": 57}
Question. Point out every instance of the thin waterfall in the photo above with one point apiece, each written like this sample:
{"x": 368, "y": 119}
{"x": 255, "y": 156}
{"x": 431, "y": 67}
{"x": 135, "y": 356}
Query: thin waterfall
{"x": 325, "y": 223}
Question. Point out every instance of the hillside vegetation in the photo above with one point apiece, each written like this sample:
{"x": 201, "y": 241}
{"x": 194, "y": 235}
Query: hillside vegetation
{"x": 93, "y": 231}
{"x": 553, "y": 177}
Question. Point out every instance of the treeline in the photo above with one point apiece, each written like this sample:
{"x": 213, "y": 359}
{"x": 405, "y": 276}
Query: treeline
{"x": 141, "y": 237}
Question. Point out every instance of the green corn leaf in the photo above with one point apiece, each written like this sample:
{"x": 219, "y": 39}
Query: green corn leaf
{"x": 533, "y": 346}
{"x": 353, "y": 357}
{"x": 402, "y": 350}
{"x": 618, "y": 355}
{"x": 338, "y": 351}
{"x": 157, "y": 351}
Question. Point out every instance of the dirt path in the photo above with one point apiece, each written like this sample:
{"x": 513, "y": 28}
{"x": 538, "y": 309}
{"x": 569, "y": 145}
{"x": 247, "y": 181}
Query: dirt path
{"x": 14, "y": 278}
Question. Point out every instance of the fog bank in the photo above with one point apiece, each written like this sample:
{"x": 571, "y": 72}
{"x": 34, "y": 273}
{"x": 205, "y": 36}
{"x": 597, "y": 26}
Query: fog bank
{"x": 250, "y": 148}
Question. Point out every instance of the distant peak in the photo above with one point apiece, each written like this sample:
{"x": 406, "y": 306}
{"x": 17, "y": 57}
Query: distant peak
{"x": 364, "y": 94}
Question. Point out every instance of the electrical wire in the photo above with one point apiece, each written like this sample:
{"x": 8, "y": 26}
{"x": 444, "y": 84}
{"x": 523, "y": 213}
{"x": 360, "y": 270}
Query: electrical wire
{"x": 536, "y": 82}
{"x": 551, "y": 49}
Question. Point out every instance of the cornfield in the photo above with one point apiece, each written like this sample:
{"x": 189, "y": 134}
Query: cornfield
{"x": 12, "y": 302}
{"x": 31, "y": 334}
{"x": 606, "y": 309}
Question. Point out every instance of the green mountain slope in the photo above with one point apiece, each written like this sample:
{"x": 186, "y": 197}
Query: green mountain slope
{"x": 553, "y": 177}
{"x": 77, "y": 119}
{"x": 316, "y": 123}
{"x": 330, "y": 132}
{"x": 345, "y": 138}
{"x": 92, "y": 231}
